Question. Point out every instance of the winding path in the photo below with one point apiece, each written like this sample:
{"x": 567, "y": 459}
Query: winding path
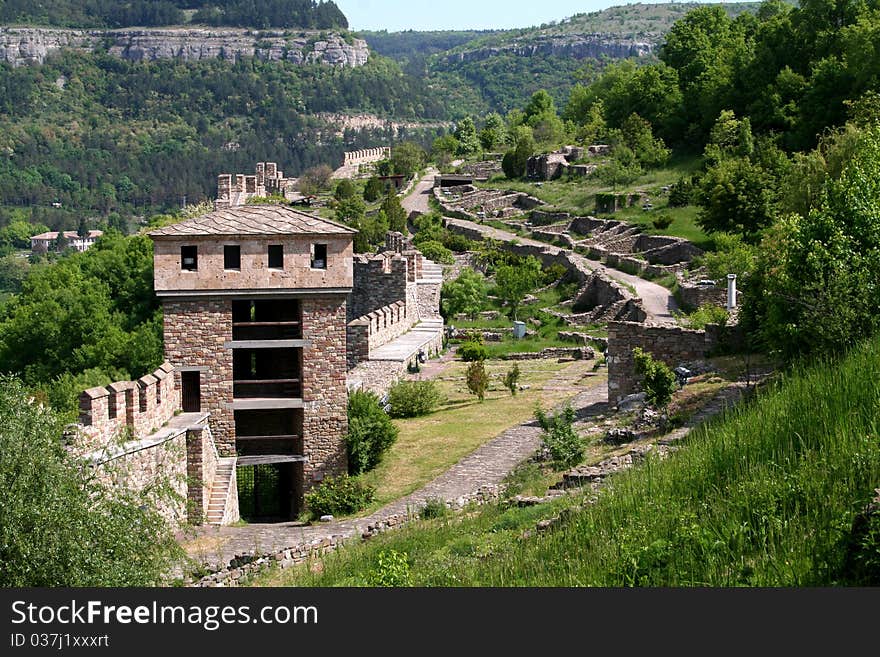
{"x": 417, "y": 200}
{"x": 657, "y": 301}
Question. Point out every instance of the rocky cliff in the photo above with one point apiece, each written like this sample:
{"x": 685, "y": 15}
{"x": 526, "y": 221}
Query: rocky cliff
{"x": 571, "y": 46}
{"x": 20, "y": 46}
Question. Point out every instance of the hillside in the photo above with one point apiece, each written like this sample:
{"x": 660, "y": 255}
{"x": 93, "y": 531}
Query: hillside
{"x": 772, "y": 494}
{"x": 306, "y": 14}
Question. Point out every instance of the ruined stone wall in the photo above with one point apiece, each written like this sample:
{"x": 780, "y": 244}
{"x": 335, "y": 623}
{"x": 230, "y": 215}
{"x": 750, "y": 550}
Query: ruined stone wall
{"x": 429, "y": 299}
{"x": 692, "y": 297}
{"x": 196, "y": 332}
{"x": 201, "y": 469}
{"x": 672, "y": 345}
{"x": 325, "y": 393}
{"x": 140, "y": 407}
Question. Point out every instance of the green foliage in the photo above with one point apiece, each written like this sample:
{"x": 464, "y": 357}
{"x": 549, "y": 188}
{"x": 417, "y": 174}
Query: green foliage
{"x": 736, "y": 196}
{"x": 566, "y": 447}
{"x": 437, "y": 252}
{"x": 338, "y": 496}
{"x": 472, "y": 351}
{"x": 732, "y": 255}
{"x": 662, "y": 222}
{"x": 13, "y": 271}
{"x": 515, "y": 282}
{"x": 638, "y": 135}
{"x": 514, "y": 162}
{"x": 315, "y": 180}
{"x": 466, "y": 135}
{"x": 622, "y": 169}
{"x": 408, "y": 158}
{"x": 370, "y": 432}
{"x": 681, "y": 193}
{"x": 434, "y": 508}
{"x": 89, "y": 311}
{"x": 511, "y": 379}
{"x": 477, "y": 378}
{"x": 706, "y": 314}
{"x": 392, "y": 569}
{"x": 373, "y": 190}
{"x": 466, "y": 294}
{"x": 494, "y": 133}
{"x": 658, "y": 380}
{"x": 395, "y": 213}
{"x": 58, "y": 525}
{"x": 345, "y": 189}
{"x": 413, "y": 398}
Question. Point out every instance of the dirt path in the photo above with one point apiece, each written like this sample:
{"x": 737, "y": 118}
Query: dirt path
{"x": 657, "y": 301}
{"x": 482, "y": 469}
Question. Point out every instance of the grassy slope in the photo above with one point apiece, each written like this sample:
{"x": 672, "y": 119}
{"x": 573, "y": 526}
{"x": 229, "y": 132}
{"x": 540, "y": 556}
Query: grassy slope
{"x": 764, "y": 496}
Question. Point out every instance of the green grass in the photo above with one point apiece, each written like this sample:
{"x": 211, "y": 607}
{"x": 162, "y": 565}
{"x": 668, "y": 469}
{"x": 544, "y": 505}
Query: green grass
{"x": 765, "y": 495}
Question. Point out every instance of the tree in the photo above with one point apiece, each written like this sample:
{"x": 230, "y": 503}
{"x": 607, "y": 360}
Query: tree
{"x": 494, "y": 132}
{"x": 344, "y": 189}
{"x": 514, "y": 282}
{"x": 622, "y": 169}
{"x": 61, "y": 242}
{"x": 515, "y": 160}
{"x": 559, "y": 437}
{"x": 638, "y": 135}
{"x": 373, "y": 190}
{"x": 477, "y": 379}
{"x": 658, "y": 381}
{"x": 395, "y": 213}
{"x": 58, "y": 525}
{"x": 736, "y": 196}
{"x": 315, "y": 179}
{"x": 408, "y": 158}
{"x": 465, "y": 295}
{"x": 370, "y": 432}
{"x": 511, "y": 379}
{"x": 466, "y": 134}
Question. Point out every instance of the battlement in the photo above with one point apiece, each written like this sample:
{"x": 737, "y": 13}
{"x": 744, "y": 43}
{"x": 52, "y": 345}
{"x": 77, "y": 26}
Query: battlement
{"x": 366, "y": 156}
{"x": 237, "y": 189}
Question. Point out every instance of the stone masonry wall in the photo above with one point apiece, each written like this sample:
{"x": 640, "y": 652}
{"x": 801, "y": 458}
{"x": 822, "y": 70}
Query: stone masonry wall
{"x": 140, "y": 407}
{"x": 157, "y": 472}
{"x": 201, "y": 462}
{"x": 670, "y": 344}
{"x": 195, "y": 334}
{"x": 429, "y": 300}
{"x": 325, "y": 394}
{"x": 379, "y": 281}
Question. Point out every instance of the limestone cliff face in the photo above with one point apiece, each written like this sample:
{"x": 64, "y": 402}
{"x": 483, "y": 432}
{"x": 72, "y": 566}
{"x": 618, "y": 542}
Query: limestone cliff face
{"x": 20, "y": 46}
{"x": 575, "y": 46}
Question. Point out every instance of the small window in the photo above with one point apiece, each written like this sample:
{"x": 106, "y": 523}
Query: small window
{"x": 319, "y": 256}
{"x": 276, "y": 256}
{"x": 189, "y": 258}
{"x": 232, "y": 257}
{"x": 158, "y": 393}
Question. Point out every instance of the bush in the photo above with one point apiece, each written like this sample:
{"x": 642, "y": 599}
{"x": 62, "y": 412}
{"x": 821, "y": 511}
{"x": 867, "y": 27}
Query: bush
{"x": 560, "y": 439}
{"x": 437, "y": 252}
{"x": 472, "y": 351}
{"x": 477, "y": 379}
{"x": 704, "y": 315}
{"x": 373, "y": 190}
{"x": 662, "y": 222}
{"x": 511, "y": 379}
{"x": 434, "y": 508}
{"x": 413, "y": 398}
{"x": 456, "y": 242}
{"x": 339, "y": 496}
{"x": 658, "y": 381}
{"x": 370, "y": 432}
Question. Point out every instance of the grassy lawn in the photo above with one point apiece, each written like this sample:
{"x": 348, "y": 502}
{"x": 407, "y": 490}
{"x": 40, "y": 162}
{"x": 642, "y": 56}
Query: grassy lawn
{"x": 428, "y": 446}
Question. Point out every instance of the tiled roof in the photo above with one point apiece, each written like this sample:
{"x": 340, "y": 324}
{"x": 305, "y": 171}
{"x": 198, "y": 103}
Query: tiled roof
{"x": 254, "y": 220}
{"x": 69, "y": 234}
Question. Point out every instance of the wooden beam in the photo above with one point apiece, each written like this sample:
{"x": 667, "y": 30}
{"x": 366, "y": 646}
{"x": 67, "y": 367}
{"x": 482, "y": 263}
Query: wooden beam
{"x": 270, "y": 460}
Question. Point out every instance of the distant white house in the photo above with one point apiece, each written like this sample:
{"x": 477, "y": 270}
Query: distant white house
{"x": 45, "y": 242}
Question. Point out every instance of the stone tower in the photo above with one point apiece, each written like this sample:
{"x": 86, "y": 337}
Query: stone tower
{"x": 254, "y": 300}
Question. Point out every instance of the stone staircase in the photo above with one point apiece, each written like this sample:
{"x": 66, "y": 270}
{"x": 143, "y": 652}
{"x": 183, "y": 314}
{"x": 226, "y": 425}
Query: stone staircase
{"x": 431, "y": 272}
{"x": 220, "y": 491}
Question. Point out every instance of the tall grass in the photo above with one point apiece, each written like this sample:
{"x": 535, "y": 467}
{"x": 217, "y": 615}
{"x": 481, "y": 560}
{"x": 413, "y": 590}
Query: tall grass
{"x": 764, "y": 496}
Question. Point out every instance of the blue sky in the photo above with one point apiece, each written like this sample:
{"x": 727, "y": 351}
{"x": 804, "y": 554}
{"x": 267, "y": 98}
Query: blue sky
{"x": 396, "y": 15}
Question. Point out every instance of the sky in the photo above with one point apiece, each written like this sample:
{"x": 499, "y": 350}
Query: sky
{"x": 397, "y": 15}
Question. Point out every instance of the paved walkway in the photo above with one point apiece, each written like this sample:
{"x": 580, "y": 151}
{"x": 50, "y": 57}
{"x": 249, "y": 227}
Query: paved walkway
{"x": 657, "y": 301}
{"x": 417, "y": 201}
{"x": 486, "y": 466}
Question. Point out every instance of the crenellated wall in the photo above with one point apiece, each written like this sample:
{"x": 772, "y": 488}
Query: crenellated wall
{"x": 366, "y": 156}
{"x": 138, "y": 407}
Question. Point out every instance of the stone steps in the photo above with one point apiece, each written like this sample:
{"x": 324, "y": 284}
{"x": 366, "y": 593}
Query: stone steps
{"x": 220, "y": 491}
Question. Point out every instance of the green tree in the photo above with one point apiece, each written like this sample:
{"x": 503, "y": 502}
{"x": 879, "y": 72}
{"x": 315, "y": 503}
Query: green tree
{"x": 494, "y": 132}
{"x": 621, "y": 169}
{"x": 344, "y": 189}
{"x": 736, "y": 196}
{"x": 514, "y": 282}
{"x": 466, "y": 294}
{"x": 315, "y": 179}
{"x": 61, "y": 242}
{"x": 373, "y": 190}
{"x": 649, "y": 151}
{"x": 408, "y": 158}
{"x": 559, "y": 437}
{"x": 514, "y": 162}
{"x": 658, "y": 381}
{"x": 370, "y": 432}
{"x": 58, "y": 525}
{"x": 511, "y": 379}
{"x": 466, "y": 134}
{"x": 477, "y": 379}
{"x": 395, "y": 213}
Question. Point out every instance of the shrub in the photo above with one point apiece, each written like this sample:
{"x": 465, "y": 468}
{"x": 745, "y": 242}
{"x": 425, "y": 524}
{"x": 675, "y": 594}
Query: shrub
{"x": 456, "y": 242}
{"x": 373, "y": 190}
{"x": 413, "y": 398}
{"x": 477, "y": 379}
{"x": 704, "y": 315}
{"x": 437, "y": 252}
{"x": 339, "y": 496}
{"x": 392, "y": 569}
{"x": 434, "y": 508}
{"x": 370, "y": 432}
{"x": 662, "y": 222}
{"x": 560, "y": 439}
{"x": 511, "y": 379}
{"x": 472, "y": 351}
{"x": 658, "y": 381}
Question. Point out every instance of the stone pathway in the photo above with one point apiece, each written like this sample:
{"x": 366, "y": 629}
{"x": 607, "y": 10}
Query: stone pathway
{"x": 476, "y": 474}
{"x": 417, "y": 200}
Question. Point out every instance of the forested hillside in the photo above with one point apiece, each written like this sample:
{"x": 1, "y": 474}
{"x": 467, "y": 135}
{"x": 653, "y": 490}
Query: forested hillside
{"x": 306, "y": 14}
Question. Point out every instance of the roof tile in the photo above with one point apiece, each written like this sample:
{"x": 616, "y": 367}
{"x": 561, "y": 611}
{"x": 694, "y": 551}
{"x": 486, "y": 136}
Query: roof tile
{"x": 254, "y": 220}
